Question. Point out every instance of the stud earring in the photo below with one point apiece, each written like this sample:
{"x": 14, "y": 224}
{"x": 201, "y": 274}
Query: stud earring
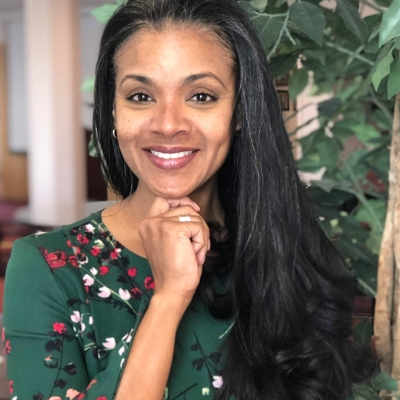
{"x": 114, "y": 133}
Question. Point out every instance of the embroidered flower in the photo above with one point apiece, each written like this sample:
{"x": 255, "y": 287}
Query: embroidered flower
{"x": 56, "y": 260}
{"x": 115, "y": 254}
{"x": 93, "y": 271}
{"x": 72, "y": 393}
{"x": 73, "y": 261}
{"x": 95, "y": 251}
{"x": 104, "y": 292}
{"x": 132, "y": 272}
{"x": 76, "y": 317}
{"x": 7, "y": 347}
{"x": 89, "y": 228}
{"x": 88, "y": 280}
{"x": 136, "y": 293}
{"x": 11, "y": 387}
{"x": 149, "y": 283}
{"x": 83, "y": 239}
{"x": 125, "y": 295}
{"x": 217, "y": 381}
{"x": 59, "y": 328}
{"x": 110, "y": 343}
{"x": 104, "y": 270}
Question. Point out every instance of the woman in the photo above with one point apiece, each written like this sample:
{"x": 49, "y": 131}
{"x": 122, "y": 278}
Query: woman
{"x": 211, "y": 278}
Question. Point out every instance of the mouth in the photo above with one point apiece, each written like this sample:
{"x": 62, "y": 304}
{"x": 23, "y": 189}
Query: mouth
{"x": 170, "y": 158}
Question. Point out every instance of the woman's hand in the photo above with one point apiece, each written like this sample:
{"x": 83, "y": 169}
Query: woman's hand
{"x": 176, "y": 250}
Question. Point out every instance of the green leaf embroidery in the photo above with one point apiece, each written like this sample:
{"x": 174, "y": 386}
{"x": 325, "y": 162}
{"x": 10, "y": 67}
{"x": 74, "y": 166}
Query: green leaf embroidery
{"x": 393, "y": 85}
{"x": 390, "y": 27}
{"x": 104, "y": 13}
{"x": 298, "y": 82}
{"x": 309, "y": 20}
{"x": 352, "y": 20}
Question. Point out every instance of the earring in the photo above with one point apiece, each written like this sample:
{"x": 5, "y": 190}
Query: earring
{"x": 114, "y": 133}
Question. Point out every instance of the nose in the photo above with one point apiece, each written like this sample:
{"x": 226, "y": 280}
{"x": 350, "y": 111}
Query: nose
{"x": 170, "y": 119}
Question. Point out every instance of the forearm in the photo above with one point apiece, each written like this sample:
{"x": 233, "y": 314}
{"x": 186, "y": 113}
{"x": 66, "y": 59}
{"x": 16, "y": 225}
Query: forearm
{"x": 149, "y": 362}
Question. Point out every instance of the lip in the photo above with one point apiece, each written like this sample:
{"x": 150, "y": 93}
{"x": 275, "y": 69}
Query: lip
{"x": 172, "y": 163}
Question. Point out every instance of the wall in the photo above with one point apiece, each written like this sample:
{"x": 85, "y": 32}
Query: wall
{"x": 13, "y": 167}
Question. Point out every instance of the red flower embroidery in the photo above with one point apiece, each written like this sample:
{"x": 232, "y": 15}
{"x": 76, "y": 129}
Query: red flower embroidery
{"x": 149, "y": 283}
{"x": 59, "y": 328}
{"x": 114, "y": 254}
{"x": 136, "y": 293}
{"x": 132, "y": 272}
{"x": 92, "y": 382}
{"x": 11, "y": 387}
{"x": 56, "y": 260}
{"x": 80, "y": 396}
{"x": 69, "y": 244}
{"x": 7, "y": 347}
{"x": 103, "y": 270}
{"x": 73, "y": 261}
{"x": 95, "y": 251}
{"x": 82, "y": 239}
{"x": 102, "y": 398}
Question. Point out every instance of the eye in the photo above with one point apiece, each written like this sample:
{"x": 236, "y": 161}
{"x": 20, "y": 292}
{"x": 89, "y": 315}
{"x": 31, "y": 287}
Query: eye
{"x": 204, "y": 97}
{"x": 140, "y": 98}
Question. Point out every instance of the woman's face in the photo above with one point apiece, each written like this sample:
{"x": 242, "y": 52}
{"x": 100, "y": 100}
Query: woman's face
{"x": 174, "y": 101}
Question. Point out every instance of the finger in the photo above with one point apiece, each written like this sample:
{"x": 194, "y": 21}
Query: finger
{"x": 184, "y": 201}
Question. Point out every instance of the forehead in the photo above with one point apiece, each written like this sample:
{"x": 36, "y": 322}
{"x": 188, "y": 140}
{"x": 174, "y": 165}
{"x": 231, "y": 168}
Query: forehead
{"x": 176, "y": 51}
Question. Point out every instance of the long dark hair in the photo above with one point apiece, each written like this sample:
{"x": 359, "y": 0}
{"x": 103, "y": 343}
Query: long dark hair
{"x": 291, "y": 292}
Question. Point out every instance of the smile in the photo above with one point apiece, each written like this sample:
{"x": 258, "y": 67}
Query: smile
{"x": 167, "y": 160}
{"x": 167, "y": 156}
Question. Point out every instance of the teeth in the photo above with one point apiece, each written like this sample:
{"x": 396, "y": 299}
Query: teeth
{"x": 167, "y": 156}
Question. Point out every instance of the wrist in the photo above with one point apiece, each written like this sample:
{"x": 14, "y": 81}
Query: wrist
{"x": 174, "y": 305}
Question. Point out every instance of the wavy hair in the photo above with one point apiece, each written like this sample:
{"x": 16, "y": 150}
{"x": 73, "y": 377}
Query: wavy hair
{"x": 290, "y": 291}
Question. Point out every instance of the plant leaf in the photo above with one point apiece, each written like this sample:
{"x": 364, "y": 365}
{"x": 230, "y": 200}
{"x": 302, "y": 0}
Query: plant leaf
{"x": 393, "y": 85}
{"x": 390, "y": 27}
{"x": 309, "y": 19}
{"x": 259, "y": 4}
{"x": 268, "y": 28}
{"x": 248, "y": 7}
{"x": 384, "y": 381}
{"x": 365, "y": 132}
{"x": 364, "y": 214}
{"x": 281, "y": 64}
{"x": 88, "y": 84}
{"x": 104, "y": 13}
{"x": 382, "y": 70}
{"x": 352, "y": 20}
{"x": 298, "y": 82}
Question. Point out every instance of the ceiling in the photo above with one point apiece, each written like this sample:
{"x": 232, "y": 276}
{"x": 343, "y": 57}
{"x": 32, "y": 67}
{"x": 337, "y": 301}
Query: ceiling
{"x": 10, "y": 5}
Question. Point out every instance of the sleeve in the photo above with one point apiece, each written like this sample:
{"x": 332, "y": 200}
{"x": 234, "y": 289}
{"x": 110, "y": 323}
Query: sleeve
{"x": 45, "y": 359}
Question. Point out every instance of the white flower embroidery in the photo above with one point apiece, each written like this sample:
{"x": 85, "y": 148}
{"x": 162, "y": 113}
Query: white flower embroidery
{"x": 218, "y": 381}
{"x": 122, "y": 362}
{"x": 89, "y": 228}
{"x": 83, "y": 326}
{"x": 99, "y": 243}
{"x": 76, "y": 317}
{"x": 125, "y": 295}
{"x": 121, "y": 350}
{"x": 94, "y": 271}
{"x": 90, "y": 320}
{"x": 109, "y": 343}
{"x": 205, "y": 391}
{"x": 104, "y": 292}
{"x": 88, "y": 280}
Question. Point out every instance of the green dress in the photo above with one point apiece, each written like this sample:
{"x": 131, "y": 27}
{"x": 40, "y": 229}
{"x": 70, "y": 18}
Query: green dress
{"x": 73, "y": 300}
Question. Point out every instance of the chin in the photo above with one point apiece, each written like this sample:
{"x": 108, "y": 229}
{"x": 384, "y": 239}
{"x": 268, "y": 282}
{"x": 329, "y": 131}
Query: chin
{"x": 172, "y": 192}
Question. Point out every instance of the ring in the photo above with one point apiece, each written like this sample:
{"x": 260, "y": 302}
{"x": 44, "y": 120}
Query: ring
{"x": 184, "y": 218}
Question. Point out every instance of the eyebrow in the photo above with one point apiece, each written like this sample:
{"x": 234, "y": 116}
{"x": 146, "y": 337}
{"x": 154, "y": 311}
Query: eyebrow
{"x": 189, "y": 79}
